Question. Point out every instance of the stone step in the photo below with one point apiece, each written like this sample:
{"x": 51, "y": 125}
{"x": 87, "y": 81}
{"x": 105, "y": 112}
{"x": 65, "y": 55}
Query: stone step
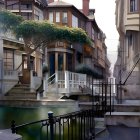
{"x": 21, "y": 96}
{"x": 20, "y": 89}
{"x": 127, "y": 119}
{"x": 127, "y": 107}
{"x": 123, "y": 125}
{"x": 22, "y": 85}
{"x": 52, "y": 96}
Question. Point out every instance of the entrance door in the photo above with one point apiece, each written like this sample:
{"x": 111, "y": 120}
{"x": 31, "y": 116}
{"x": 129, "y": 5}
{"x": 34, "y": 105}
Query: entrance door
{"x": 52, "y": 63}
{"x": 26, "y": 69}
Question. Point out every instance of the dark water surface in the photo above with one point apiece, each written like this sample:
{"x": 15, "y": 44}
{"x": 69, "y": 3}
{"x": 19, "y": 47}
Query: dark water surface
{"x": 24, "y": 115}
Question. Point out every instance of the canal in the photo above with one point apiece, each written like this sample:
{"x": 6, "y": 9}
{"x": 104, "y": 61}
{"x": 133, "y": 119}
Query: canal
{"x": 24, "y": 115}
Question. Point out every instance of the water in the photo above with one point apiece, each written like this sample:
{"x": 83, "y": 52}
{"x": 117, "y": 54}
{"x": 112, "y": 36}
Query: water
{"x": 23, "y": 115}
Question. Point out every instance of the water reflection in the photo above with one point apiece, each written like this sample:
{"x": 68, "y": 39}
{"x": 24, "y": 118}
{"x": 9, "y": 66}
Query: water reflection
{"x": 22, "y": 115}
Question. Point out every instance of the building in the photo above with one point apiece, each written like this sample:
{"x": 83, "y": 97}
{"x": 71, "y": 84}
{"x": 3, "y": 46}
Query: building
{"x": 72, "y": 55}
{"x": 29, "y": 9}
{"x": 62, "y": 56}
{"x": 128, "y": 26}
{"x": 1, "y": 4}
{"x": 124, "y": 122}
{"x": 13, "y": 55}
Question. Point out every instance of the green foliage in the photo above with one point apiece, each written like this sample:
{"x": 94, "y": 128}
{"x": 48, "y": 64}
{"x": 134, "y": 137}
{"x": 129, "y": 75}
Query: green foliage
{"x": 9, "y": 21}
{"x": 27, "y": 29}
{"x": 44, "y": 31}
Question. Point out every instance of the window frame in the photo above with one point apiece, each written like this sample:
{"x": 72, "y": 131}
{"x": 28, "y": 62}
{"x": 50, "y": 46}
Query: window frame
{"x": 65, "y": 19}
{"x": 51, "y": 19}
{"x": 8, "y": 65}
{"x": 57, "y": 18}
{"x": 133, "y": 6}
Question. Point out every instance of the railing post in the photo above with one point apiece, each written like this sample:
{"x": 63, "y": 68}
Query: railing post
{"x": 13, "y": 127}
{"x": 67, "y": 81}
{"x": 51, "y": 121}
{"x": 32, "y": 86}
{"x": 45, "y": 84}
{"x": 56, "y": 81}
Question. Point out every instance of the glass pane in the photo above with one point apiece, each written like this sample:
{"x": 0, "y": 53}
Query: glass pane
{"x": 57, "y": 16}
{"x": 60, "y": 61}
{"x": 51, "y": 16}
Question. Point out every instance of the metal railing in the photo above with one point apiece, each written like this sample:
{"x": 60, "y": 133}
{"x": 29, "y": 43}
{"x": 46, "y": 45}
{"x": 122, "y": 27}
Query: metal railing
{"x": 124, "y": 74}
{"x": 78, "y": 125}
{"x": 73, "y": 126}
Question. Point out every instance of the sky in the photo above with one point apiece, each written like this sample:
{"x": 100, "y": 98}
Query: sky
{"x": 105, "y": 18}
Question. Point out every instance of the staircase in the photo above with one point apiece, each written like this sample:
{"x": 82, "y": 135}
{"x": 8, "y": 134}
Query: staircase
{"x": 124, "y": 122}
{"x": 65, "y": 83}
{"x": 21, "y": 91}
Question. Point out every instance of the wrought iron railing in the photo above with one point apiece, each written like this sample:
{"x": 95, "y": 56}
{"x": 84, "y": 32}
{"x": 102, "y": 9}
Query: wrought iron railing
{"x": 78, "y": 125}
{"x": 73, "y": 126}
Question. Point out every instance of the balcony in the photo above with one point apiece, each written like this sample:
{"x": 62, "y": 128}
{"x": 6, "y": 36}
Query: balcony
{"x": 132, "y": 21}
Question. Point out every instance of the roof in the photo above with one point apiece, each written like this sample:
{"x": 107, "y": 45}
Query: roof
{"x": 59, "y": 4}
{"x": 43, "y": 2}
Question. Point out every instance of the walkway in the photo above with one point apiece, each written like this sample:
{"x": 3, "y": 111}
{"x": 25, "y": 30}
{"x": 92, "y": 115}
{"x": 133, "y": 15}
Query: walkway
{"x": 102, "y": 133}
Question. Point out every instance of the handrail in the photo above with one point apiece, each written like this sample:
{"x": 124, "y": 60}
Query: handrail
{"x": 63, "y": 120}
{"x": 130, "y": 72}
{"x": 19, "y": 66}
{"x": 51, "y": 81}
{"x": 78, "y": 124}
{"x": 128, "y": 63}
{"x": 51, "y": 76}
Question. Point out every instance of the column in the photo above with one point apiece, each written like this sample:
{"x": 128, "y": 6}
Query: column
{"x": 56, "y": 61}
{"x": 64, "y": 61}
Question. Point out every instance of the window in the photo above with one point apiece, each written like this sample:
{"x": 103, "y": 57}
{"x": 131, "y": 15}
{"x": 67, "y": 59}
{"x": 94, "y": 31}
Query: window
{"x": 129, "y": 44}
{"x": 27, "y": 16}
{"x": 38, "y": 14}
{"x": 8, "y": 59}
{"x": 57, "y": 16}
{"x": 51, "y": 16}
{"x": 133, "y": 5}
{"x": 74, "y": 21}
{"x": 130, "y": 40}
{"x": 13, "y": 5}
{"x": 65, "y": 17}
{"x": 26, "y": 7}
{"x": 93, "y": 35}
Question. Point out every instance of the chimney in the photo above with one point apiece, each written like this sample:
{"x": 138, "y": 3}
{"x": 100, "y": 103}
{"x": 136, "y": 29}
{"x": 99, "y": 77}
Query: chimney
{"x": 86, "y": 7}
{"x": 50, "y": 1}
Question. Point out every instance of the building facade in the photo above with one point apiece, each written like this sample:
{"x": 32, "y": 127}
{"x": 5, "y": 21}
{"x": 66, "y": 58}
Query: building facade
{"x": 29, "y": 9}
{"x": 1, "y": 4}
{"x": 63, "y": 56}
{"x": 127, "y": 68}
{"x": 13, "y": 56}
